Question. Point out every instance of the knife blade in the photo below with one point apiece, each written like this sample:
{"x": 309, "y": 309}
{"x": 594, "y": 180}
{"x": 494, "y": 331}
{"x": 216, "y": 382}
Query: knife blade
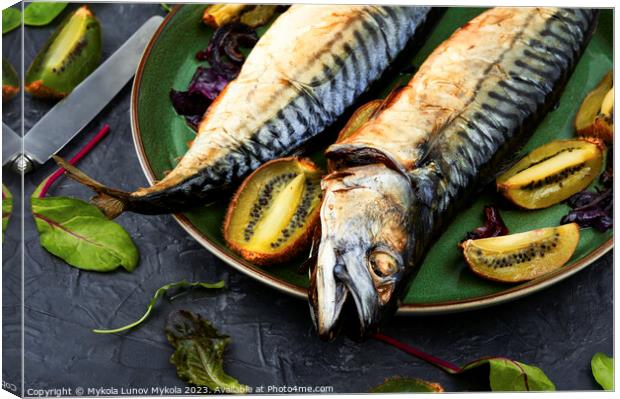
{"x": 69, "y": 116}
{"x": 11, "y": 143}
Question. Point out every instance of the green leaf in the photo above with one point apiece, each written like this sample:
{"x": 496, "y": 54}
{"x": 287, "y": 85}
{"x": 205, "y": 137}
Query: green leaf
{"x": 39, "y": 14}
{"x": 11, "y": 19}
{"x": 10, "y": 81}
{"x": 511, "y": 375}
{"x": 166, "y": 7}
{"x": 603, "y": 370}
{"x": 160, "y": 292}
{"x": 199, "y": 353}
{"x": 505, "y": 374}
{"x": 7, "y": 208}
{"x": 81, "y": 235}
{"x": 403, "y": 384}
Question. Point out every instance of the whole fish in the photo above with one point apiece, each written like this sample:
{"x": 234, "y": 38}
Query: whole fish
{"x": 310, "y": 65}
{"x": 402, "y": 175}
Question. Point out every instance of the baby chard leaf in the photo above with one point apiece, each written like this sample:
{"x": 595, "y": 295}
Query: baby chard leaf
{"x": 160, "y": 292}
{"x": 504, "y": 374}
{"x": 511, "y": 375}
{"x": 603, "y": 370}
{"x": 199, "y": 352}
{"x": 11, "y": 19}
{"x": 79, "y": 234}
{"x": 403, "y": 384}
{"x": 41, "y": 13}
{"x": 7, "y": 208}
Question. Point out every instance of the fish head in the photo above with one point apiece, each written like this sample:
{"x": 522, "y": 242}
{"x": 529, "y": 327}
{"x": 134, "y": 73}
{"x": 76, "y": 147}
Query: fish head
{"x": 366, "y": 244}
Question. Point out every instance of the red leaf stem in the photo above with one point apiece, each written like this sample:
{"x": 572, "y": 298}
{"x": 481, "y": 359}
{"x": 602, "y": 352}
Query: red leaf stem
{"x": 442, "y": 364}
{"x": 85, "y": 150}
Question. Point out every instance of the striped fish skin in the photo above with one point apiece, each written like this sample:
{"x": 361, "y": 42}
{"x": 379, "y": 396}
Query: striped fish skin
{"x": 311, "y": 64}
{"x": 519, "y": 60}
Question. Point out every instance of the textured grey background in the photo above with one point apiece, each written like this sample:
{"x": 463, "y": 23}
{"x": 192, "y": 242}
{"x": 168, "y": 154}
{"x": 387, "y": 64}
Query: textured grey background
{"x": 558, "y": 329}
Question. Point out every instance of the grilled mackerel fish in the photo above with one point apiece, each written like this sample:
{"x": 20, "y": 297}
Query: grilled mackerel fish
{"x": 401, "y": 176}
{"x": 311, "y": 64}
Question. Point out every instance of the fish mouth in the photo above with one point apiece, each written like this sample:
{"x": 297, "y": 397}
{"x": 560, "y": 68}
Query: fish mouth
{"x": 340, "y": 301}
{"x": 364, "y": 249}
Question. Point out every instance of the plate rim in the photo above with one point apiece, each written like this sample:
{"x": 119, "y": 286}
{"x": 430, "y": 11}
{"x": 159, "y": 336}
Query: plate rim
{"x": 261, "y": 275}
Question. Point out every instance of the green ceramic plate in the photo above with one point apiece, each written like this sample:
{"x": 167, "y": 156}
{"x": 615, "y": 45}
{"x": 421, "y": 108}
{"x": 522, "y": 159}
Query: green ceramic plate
{"x": 444, "y": 283}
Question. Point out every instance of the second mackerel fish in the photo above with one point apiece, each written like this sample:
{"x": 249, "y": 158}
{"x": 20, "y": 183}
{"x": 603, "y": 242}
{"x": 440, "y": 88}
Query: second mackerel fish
{"x": 402, "y": 175}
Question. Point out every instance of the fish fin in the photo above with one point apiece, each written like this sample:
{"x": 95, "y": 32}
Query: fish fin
{"x": 110, "y": 206}
{"x": 111, "y": 202}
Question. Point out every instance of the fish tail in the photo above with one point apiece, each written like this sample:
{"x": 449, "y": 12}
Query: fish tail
{"x": 110, "y": 201}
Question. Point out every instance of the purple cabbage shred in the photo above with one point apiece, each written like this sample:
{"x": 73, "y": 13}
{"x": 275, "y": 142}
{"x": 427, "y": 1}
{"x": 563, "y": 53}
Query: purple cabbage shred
{"x": 494, "y": 225}
{"x": 225, "y": 59}
{"x": 594, "y": 208}
{"x": 223, "y": 52}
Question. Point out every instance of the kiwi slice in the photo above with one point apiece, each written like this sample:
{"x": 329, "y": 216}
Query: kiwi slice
{"x": 552, "y": 173}
{"x": 260, "y": 15}
{"x": 523, "y": 256}
{"x": 10, "y": 81}
{"x": 69, "y": 56}
{"x": 357, "y": 119}
{"x": 273, "y": 214}
{"x": 217, "y": 15}
{"x": 595, "y": 115}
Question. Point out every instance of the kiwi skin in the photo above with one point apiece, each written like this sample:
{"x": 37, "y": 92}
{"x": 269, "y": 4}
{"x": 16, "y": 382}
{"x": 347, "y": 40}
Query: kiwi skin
{"x": 292, "y": 249}
{"x": 589, "y": 120}
{"x": 45, "y": 82}
{"x": 602, "y": 127}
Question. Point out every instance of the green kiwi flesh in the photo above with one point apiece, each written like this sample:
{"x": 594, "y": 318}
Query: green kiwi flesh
{"x": 10, "y": 81}
{"x": 552, "y": 173}
{"x": 271, "y": 218}
{"x": 68, "y": 57}
{"x": 522, "y": 256}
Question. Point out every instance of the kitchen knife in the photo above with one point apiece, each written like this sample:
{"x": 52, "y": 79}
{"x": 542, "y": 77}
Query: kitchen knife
{"x": 11, "y": 144}
{"x": 56, "y": 128}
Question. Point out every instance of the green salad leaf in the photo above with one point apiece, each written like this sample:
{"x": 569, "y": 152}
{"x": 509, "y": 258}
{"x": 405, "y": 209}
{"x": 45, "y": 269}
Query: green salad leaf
{"x": 160, "y": 292}
{"x": 42, "y": 13}
{"x": 10, "y": 81}
{"x": 78, "y": 233}
{"x": 7, "y": 208}
{"x": 403, "y": 384}
{"x": 504, "y": 374}
{"x": 199, "y": 353}
{"x": 9, "y": 74}
{"x": 11, "y": 19}
{"x": 511, "y": 375}
{"x": 603, "y": 370}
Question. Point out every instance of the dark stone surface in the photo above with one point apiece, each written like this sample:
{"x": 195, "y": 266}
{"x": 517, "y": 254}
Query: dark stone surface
{"x": 558, "y": 329}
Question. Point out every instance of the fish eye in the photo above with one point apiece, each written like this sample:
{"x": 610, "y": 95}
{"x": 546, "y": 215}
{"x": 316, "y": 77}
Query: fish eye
{"x": 383, "y": 264}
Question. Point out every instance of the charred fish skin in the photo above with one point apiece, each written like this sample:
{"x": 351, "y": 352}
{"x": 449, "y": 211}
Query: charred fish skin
{"x": 471, "y": 129}
{"x": 308, "y": 68}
